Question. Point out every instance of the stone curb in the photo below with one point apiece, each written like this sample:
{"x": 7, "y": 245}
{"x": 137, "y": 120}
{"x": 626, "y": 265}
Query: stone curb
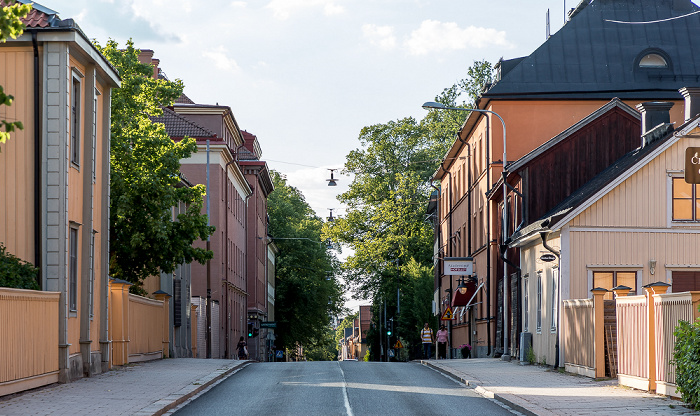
{"x": 511, "y": 400}
{"x": 173, "y": 400}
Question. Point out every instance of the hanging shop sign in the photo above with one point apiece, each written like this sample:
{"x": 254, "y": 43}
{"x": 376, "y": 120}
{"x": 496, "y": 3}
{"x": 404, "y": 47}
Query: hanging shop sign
{"x": 548, "y": 257}
{"x": 458, "y": 266}
{"x": 692, "y": 165}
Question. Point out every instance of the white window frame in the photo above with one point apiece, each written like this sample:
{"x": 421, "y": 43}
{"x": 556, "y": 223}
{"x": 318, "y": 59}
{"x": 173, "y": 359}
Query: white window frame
{"x": 526, "y": 302}
{"x": 538, "y": 314}
{"x": 555, "y": 303}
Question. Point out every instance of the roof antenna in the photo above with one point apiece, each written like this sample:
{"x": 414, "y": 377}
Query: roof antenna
{"x": 548, "y": 33}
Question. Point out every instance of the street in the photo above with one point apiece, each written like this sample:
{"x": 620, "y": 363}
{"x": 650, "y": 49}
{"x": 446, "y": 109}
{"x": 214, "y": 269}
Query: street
{"x": 340, "y": 388}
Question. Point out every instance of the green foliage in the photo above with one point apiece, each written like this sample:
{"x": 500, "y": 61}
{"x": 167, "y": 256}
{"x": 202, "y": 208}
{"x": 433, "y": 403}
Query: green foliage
{"x": 530, "y": 356}
{"x": 324, "y": 349}
{"x": 306, "y": 293}
{"x": 366, "y": 357}
{"x": 145, "y": 177}
{"x": 686, "y": 356}
{"x": 15, "y": 272}
{"x": 11, "y": 26}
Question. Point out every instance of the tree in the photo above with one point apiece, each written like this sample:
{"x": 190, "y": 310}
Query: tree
{"x": 385, "y": 223}
{"x": 306, "y": 293}
{"x": 11, "y": 26}
{"x": 145, "y": 177}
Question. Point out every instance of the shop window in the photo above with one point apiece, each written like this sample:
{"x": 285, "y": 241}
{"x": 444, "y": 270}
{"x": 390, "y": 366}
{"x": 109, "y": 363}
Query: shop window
{"x": 686, "y": 201}
{"x": 610, "y": 279}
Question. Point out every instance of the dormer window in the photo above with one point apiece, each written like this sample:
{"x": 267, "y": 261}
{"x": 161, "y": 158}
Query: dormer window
{"x": 653, "y": 60}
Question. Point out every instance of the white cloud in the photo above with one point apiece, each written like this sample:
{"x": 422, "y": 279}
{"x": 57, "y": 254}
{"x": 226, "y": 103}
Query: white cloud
{"x": 220, "y": 57}
{"x": 435, "y": 36}
{"x": 283, "y": 9}
{"x": 239, "y": 4}
{"x": 380, "y": 36}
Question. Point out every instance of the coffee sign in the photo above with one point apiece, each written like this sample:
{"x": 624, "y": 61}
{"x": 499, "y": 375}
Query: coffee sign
{"x": 692, "y": 165}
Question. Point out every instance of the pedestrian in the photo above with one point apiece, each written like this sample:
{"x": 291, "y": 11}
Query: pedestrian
{"x": 442, "y": 342}
{"x": 242, "y": 348}
{"x": 426, "y": 335}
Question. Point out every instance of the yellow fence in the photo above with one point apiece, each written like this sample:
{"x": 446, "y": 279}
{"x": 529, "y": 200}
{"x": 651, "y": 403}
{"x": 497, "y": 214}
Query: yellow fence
{"x": 646, "y": 340}
{"x": 669, "y": 310}
{"x": 28, "y": 339}
{"x": 138, "y": 325}
{"x": 632, "y": 345}
{"x": 579, "y": 336}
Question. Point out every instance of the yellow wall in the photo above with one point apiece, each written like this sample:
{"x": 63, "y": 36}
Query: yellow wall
{"x": 629, "y": 226}
{"x": 17, "y": 155}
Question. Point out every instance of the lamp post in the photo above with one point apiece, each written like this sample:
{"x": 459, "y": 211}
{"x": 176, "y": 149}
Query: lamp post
{"x": 440, "y": 106}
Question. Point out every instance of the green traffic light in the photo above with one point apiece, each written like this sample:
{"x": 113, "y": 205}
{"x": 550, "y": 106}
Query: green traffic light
{"x": 388, "y": 332}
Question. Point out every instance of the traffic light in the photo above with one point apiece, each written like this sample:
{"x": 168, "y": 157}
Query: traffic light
{"x": 256, "y": 331}
{"x": 250, "y": 329}
{"x": 390, "y": 327}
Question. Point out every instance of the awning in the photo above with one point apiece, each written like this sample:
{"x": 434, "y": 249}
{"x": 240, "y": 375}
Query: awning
{"x": 462, "y": 299}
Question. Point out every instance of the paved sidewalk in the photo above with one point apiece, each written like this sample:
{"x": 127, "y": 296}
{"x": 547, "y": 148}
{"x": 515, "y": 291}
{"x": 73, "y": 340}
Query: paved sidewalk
{"x": 150, "y": 388}
{"x": 535, "y": 390}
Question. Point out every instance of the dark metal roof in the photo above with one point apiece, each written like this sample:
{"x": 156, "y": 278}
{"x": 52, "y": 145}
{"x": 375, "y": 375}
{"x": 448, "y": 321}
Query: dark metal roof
{"x": 179, "y": 126}
{"x": 596, "y": 54}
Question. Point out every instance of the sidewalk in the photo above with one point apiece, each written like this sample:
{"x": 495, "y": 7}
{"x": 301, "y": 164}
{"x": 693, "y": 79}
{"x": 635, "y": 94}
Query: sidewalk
{"x": 535, "y": 390}
{"x": 149, "y": 388}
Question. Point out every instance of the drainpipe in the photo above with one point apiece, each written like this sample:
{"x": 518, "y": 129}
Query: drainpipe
{"x": 37, "y": 163}
{"x": 437, "y": 222}
{"x": 543, "y": 236}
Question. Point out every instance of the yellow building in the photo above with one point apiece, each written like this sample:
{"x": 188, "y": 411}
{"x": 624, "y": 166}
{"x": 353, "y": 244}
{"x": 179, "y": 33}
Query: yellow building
{"x": 634, "y": 224}
{"x": 54, "y": 177}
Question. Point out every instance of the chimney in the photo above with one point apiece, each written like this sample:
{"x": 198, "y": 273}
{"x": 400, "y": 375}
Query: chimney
{"x": 654, "y": 114}
{"x": 155, "y": 63}
{"x": 692, "y": 101}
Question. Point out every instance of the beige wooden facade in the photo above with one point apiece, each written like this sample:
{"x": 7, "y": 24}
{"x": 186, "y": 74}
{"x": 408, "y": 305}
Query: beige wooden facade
{"x": 625, "y": 230}
{"x": 72, "y": 214}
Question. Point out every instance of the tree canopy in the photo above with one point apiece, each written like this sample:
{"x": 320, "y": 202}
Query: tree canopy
{"x": 11, "y": 26}
{"x": 145, "y": 177}
{"x": 307, "y": 293}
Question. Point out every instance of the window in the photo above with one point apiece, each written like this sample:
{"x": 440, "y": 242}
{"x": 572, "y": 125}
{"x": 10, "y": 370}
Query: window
{"x": 685, "y": 281}
{"x": 653, "y": 60}
{"x": 73, "y": 270}
{"x": 526, "y": 302}
{"x": 538, "y": 318}
{"x": 686, "y": 201}
{"x": 611, "y": 279}
{"x": 91, "y": 288}
{"x": 555, "y": 303}
{"x": 75, "y": 122}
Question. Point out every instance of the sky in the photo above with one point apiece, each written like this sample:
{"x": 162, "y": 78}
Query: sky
{"x": 305, "y": 76}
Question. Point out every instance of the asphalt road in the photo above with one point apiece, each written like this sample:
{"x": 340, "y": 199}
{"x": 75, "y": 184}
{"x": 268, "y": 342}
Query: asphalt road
{"x": 348, "y": 388}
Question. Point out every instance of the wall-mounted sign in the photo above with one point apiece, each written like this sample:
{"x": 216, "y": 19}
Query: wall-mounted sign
{"x": 692, "y": 165}
{"x": 548, "y": 257}
{"x": 458, "y": 266}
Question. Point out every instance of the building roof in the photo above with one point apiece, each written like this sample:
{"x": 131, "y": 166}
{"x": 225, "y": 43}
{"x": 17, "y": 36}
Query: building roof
{"x": 597, "y": 54}
{"x": 595, "y": 188}
{"x": 179, "y": 126}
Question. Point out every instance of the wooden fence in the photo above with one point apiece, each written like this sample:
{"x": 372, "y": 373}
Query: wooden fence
{"x": 138, "y": 325}
{"x": 645, "y": 336}
{"x": 28, "y": 339}
{"x": 579, "y": 336}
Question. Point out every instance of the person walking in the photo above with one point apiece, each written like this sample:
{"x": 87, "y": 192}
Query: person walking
{"x": 242, "y": 348}
{"x": 442, "y": 342}
{"x": 426, "y": 335}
